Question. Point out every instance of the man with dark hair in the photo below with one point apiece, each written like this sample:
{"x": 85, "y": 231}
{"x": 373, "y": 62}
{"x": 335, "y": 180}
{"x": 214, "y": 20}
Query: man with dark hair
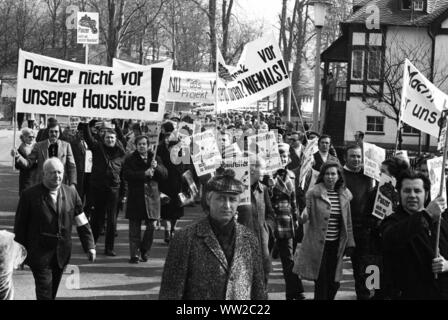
{"x": 360, "y": 186}
{"x": 105, "y": 180}
{"x": 323, "y": 154}
{"x": 359, "y": 138}
{"x": 51, "y": 147}
{"x": 42, "y": 134}
{"x": 409, "y": 236}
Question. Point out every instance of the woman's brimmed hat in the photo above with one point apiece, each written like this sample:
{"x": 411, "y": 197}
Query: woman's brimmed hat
{"x": 225, "y": 181}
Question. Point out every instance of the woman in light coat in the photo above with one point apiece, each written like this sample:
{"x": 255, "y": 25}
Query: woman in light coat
{"x": 26, "y": 173}
{"x": 328, "y": 232}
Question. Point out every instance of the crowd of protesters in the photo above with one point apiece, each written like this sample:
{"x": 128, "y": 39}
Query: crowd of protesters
{"x": 310, "y": 226}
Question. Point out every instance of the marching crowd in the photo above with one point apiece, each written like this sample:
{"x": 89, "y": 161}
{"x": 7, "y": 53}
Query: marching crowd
{"x": 311, "y": 223}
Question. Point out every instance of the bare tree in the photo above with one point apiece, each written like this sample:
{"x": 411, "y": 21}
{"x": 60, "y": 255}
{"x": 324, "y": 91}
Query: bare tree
{"x": 53, "y": 7}
{"x": 386, "y": 99}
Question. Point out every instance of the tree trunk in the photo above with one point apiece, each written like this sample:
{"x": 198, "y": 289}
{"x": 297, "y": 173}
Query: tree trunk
{"x": 213, "y": 41}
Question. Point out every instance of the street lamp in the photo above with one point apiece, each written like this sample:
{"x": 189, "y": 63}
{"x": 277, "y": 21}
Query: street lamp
{"x": 288, "y": 112}
{"x": 320, "y": 8}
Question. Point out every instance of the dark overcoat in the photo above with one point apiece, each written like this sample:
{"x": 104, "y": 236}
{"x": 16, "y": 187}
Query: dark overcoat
{"x": 143, "y": 196}
{"x": 45, "y": 230}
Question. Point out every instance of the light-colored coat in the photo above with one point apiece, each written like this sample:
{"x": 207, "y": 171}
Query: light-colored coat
{"x": 196, "y": 267}
{"x": 318, "y": 208}
{"x": 40, "y": 153}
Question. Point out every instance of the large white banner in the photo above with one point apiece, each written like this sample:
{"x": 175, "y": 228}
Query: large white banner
{"x": 51, "y": 86}
{"x": 421, "y": 101}
{"x": 193, "y": 87}
{"x": 260, "y": 72}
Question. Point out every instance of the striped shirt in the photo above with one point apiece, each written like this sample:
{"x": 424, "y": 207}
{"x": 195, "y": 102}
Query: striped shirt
{"x": 334, "y": 224}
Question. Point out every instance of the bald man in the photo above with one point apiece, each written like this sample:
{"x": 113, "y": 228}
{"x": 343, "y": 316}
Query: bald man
{"x": 43, "y": 225}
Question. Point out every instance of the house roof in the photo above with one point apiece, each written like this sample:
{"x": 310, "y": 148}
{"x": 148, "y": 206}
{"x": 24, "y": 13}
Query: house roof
{"x": 391, "y": 14}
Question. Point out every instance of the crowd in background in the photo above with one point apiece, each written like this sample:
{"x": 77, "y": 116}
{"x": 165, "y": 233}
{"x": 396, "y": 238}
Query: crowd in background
{"x": 329, "y": 214}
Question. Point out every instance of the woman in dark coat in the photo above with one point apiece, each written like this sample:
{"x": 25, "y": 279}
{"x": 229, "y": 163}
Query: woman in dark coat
{"x": 173, "y": 210}
{"x": 143, "y": 175}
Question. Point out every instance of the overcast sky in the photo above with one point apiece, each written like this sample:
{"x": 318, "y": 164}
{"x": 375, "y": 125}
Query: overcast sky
{"x": 262, "y": 10}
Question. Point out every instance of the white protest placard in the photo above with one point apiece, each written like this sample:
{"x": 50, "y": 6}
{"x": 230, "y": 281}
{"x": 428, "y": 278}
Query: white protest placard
{"x": 52, "y": 86}
{"x": 206, "y": 156}
{"x": 88, "y": 161}
{"x": 385, "y": 197}
{"x": 241, "y": 167}
{"x": 184, "y": 86}
{"x": 260, "y": 72}
{"x": 153, "y": 134}
{"x": 373, "y": 157}
{"x": 442, "y": 139}
{"x": 421, "y": 101}
{"x": 88, "y": 27}
{"x": 265, "y": 145}
{"x": 310, "y": 149}
{"x": 435, "y": 167}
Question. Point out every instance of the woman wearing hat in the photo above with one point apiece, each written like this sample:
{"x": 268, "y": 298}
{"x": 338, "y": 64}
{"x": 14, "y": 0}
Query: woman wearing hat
{"x": 328, "y": 232}
{"x": 28, "y": 141}
{"x": 173, "y": 210}
{"x": 215, "y": 258}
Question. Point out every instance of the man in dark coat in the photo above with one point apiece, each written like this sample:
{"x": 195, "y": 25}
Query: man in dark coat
{"x": 259, "y": 215}
{"x": 216, "y": 258}
{"x": 323, "y": 155}
{"x": 143, "y": 174}
{"x": 409, "y": 242}
{"x": 108, "y": 155}
{"x": 43, "y": 225}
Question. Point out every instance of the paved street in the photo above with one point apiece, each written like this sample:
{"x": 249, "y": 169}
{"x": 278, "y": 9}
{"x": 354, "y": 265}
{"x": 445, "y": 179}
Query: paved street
{"x": 113, "y": 277}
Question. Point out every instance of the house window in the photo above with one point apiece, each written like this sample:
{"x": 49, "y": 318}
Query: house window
{"x": 374, "y": 65}
{"x": 409, "y": 130}
{"x": 359, "y": 39}
{"x": 358, "y": 64}
{"x": 375, "y": 124}
{"x": 419, "y": 5}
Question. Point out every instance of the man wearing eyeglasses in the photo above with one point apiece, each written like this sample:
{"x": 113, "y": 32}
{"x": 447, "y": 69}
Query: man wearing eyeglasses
{"x": 46, "y": 149}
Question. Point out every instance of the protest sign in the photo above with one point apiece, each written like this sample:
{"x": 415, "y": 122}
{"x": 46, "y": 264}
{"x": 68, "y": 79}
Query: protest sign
{"x": 206, "y": 157}
{"x": 153, "y": 134}
{"x": 88, "y": 28}
{"x": 184, "y": 86}
{"x": 435, "y": 167}
{"x": 51, "y": 86}
{"x": 260, "y": 72}
{"x": 265, "y": 145}
{"x": 241, "y": 167}
{"x": 421, "y": 101}
{"x": 373, "y": 157}
{"x": 310, "y": 149}
{"x": 442, "y": 139}
{"x": 385, "y": 197}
